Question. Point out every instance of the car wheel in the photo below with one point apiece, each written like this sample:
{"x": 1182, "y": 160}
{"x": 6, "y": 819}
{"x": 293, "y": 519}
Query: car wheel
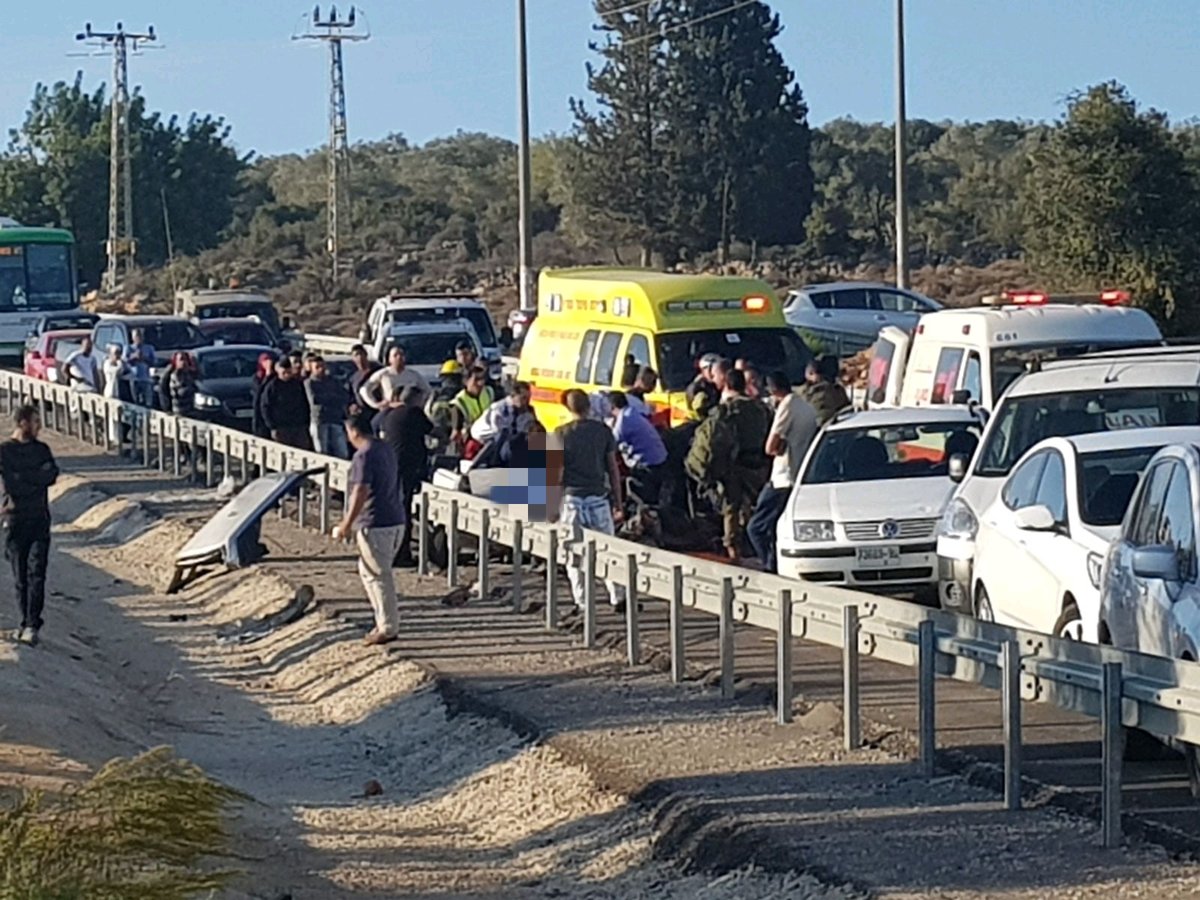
{"x": 439, "y": 547}
{"x": 1069, "y": 624}
{"x": 983, "y": 605}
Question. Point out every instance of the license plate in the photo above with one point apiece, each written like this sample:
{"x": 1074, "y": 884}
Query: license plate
{"x": 878, "y": 557}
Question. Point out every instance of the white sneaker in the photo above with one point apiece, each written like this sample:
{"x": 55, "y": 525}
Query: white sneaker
{"x": 28, "y": 636}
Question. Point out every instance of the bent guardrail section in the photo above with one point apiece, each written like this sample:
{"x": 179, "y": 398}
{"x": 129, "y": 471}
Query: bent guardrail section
{"x": 1120, "y": 688}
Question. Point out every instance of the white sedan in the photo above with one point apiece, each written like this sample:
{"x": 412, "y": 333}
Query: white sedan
{"x": 868, "y": 498}
{"x": 1041, "y": 544}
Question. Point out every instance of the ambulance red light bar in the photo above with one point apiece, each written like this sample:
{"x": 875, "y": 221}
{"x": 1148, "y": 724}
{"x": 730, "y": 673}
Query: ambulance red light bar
{"x": 1041, "y": 298}
{"x": 1025, "y": 298}
{"x": 1114, "y": 298}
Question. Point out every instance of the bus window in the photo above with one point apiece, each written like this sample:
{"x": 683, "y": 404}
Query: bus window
{"x": 945, "y": 377}
{"x": 606, "y": 361}
{"x": 583, "y": 369}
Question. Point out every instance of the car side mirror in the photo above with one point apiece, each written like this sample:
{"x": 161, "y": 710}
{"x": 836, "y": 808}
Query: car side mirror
{"x": 1160, "y": 563}
{"x": 1035, "y": 518}
{"x": 957, "y": 467}
{"x": 961, "y": 397}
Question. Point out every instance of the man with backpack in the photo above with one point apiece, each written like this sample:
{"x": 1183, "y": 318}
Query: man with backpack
{"x": 727, "y": 455}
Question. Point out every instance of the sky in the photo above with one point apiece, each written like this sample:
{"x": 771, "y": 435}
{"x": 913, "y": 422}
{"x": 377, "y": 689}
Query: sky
{"x": 433, "y": 68}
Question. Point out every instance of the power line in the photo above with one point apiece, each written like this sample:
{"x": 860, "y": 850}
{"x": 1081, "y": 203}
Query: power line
{"x": 121, "y": 247}
{"x": 334, "y": 31}
{"x": 688, "y": 24}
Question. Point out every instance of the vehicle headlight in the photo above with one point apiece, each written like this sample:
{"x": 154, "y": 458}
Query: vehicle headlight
{"x": 813, "y": 531}
{"x": 207, "y": 401}
{"x": 958, "y": 521}
{"x": 1095, "y": 562}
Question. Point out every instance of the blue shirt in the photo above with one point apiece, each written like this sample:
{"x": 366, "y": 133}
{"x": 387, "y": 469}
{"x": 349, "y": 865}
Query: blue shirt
{"x": 638, "y": 440}
{"x": 140, "y": 360}
{"x": 375, "y": 467}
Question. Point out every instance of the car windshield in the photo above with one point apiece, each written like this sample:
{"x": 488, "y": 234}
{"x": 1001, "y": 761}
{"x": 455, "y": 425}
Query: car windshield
{"x": 880, "y": 454}
{"x": 228, "y": 363}
{"x": 1009, "y": 363}
{"x": 476, "y": 315}
{"x": 767, "y": 349}
{"x": 65, "y": 323}
{"x": 239, "y": 333}
{"x": 1022, "y": 422}
{"x": 1107, "y": 479}
{"x": 172, "y": 335}
{"x": 240, "y": 309}
{"x": 426, "y": 348}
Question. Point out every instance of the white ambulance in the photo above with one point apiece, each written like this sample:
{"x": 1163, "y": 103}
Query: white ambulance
{"x": 973, "y": 354}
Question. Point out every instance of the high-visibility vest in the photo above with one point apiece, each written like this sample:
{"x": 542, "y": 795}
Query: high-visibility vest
{"x": 474, "y": 407}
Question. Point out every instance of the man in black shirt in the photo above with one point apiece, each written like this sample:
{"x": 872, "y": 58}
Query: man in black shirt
{"x": 28, "y": 469}
{"x": 591, "y": 484}
{"x": 404, "y": 429}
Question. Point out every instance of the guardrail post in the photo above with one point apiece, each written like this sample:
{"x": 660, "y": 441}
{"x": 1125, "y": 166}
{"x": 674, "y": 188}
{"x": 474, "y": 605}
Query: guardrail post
{"x": 143, "y": 426}
{"x": 108, "y": 430}
{"x": 1010, "y": 668}
{"x": 227, "y": 464}
{"x": 302, "y": 505}
{"x": 783, "y": 660}
{"x": 552, "y": 579}
{"x": 423, "y": 534}
{"x": 283, "y": 467}
{"x": 210, "y": 455}
{"x": 452, "y": 545}
{"x": 926, "y": 671}
{"x": 194, "y": 451}
{"x": 678, "y": 661}
{"x": 322, "y": 502}
{"x": 852, "y": 720}
{"x": 176, "y": 460}
{"x": 589, "y": 595}
{"x": 43, "y": 407}
{"x": 95, "y": 420}
{"x": 1112, "y": 747}
{"x": 633, "y": 641}
{"x": 161, "y": 448}
{"x": 485, "y": 572}
{"x": 245, "y": 461}
{"x": 518, "y": 576}
{"x": 725, "y": 634}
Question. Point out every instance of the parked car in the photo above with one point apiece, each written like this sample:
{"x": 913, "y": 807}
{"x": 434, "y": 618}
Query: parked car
{"x": 166, "y": 334}
{"x": 237, "y": 303}
{"x": 868, "y": 498}
{"x": 60, "y": 321}
{"x": 225, "y": 375}
{"x": 397, "y": 309}
{"x": 50, "y": 350}
{"x": 845, "y": 317}
{"x": 1150, "y": 587}
{"x": 247, "y": 330}
{"x": 1056, "y": 515}
{"x": 1114, "y": 391}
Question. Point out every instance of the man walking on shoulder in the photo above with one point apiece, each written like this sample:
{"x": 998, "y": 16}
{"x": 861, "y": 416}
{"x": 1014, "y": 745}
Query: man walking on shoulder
{"x": 375, "y": 515}
{"x": 27, "y": 468}
{"x": 591, "y": 484}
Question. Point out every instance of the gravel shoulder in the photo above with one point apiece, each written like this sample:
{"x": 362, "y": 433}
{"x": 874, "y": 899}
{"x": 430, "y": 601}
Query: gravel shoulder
{"x": 512, "y": 763}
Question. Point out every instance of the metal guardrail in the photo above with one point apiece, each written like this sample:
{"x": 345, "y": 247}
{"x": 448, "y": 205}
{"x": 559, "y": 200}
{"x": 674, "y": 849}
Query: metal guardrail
{"x": 332, "y": 344}
{"x": 1159, "y": 695}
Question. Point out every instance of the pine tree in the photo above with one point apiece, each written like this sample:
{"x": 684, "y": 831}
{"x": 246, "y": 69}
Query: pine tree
{"x": 618, "y": 171}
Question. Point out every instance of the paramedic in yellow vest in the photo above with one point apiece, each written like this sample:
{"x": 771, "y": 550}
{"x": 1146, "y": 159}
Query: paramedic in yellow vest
{"x": 472, "y": 401}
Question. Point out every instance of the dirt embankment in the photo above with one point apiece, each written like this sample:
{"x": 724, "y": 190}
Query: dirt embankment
{"x": 302, "y": 721}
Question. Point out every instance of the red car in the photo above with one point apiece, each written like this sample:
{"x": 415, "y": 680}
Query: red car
{"x": 52, "y": 347}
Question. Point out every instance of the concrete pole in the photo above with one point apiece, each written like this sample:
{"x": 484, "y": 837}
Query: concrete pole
{"x": 901, "y": 156}
{"x": 524, "y": 176}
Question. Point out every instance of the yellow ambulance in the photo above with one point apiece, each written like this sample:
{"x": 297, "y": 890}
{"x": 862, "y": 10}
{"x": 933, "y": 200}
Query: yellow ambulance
{"x": 591, "y": 320}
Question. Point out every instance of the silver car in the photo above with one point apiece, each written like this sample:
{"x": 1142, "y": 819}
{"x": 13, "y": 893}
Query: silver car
{"x": 847, "y": 315}
{"x": 1150, "y": 587}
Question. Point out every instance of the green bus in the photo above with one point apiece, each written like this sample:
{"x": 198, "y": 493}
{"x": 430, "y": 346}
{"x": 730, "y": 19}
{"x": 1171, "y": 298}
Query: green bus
{"x": 37, "y": 276}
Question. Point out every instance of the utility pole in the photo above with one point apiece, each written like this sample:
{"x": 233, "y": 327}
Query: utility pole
{"x": 334, "y": 31}
{"x": 524, "y": 176}
{"x": 121, "y": 247}
{"x": 901, "y": 156}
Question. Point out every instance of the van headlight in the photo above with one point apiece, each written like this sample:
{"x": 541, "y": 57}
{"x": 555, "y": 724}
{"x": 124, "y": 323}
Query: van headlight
{"x": 1095, "y": 562}
{"x": 807, "y": 531}
{"x": 207, "y": 401}
{"x": 958, "y": 521}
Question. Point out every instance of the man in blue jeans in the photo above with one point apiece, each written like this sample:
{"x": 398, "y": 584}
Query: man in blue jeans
{"x": 591, "y": 484}
{"x": 141, "y": 359}
{"x": 792, "y": 430}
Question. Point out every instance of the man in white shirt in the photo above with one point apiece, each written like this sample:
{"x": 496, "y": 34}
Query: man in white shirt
{"x": 507, "y": 420}
{"x": 84, "y": 369}
{"x": 793, "y": 429}
{"x": 378, "y": 390}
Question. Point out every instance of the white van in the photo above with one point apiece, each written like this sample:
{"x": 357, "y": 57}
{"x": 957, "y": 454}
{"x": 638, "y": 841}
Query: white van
{"x": 424, "y": 309}
{"x": 956, "y": 355}
{"x": 1139, "y": 388}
